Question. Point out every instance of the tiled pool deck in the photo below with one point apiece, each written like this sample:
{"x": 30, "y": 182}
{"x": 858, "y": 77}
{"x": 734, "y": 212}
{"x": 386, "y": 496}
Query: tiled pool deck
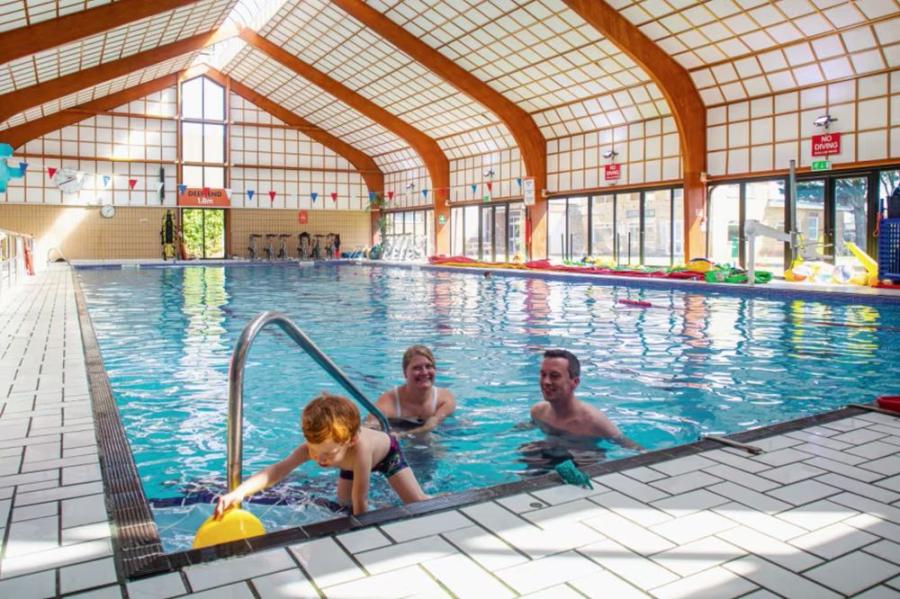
{"x": 816, "y": 515}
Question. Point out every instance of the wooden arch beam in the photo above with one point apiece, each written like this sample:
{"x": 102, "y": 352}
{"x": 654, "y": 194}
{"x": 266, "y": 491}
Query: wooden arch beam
{"x": 22, "y": 134}
{"x": 681, "y": 95}
{"x": 363, "y": 163}
{"x": 35, "y": 95}
{"x": 521, "y": 125}
{"x": 427, "y": 148}
{"x": 51, "y": 33}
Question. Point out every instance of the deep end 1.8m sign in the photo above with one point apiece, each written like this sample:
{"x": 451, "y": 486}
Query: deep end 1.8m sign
{"x": 826, "y": 144}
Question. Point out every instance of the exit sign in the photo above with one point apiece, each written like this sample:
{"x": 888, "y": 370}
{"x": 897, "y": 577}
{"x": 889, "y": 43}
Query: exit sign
{"x": 820, "y": 165}
{"x": 612, "y": 172}
{"x": 826, "y": 144}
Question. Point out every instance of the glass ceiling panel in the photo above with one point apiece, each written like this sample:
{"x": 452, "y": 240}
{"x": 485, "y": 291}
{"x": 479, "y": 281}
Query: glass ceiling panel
{"x": 20, "y": 13}
{"x": 146, "y": 34}
{"x": 268, "y": 77}
{"x": 334, "y": 42}
{"x": 98, "y": 91}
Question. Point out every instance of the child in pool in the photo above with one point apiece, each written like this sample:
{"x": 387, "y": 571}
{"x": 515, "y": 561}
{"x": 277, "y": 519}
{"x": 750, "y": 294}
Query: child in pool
{"x": 334, "y": 438}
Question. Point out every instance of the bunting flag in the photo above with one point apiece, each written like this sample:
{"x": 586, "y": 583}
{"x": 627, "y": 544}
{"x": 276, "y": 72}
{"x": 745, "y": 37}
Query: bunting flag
{"x": 424, "y": 193}
{"x": 314, "y": 195}
{"x": 490, "y": 186}
{"x": 205, "y": 192}
{"x": 372, "y": 196}
{"x": 51, "y": 171}
{"x": 390, "y": 195}
{"x": 474, "y": 187}
{"x": 228, "y": 192}
{"x": 272, "y": 196}
{"x": 107, "y": 179}
{"x": 182, "y": 188}
{"x": 250, "y": 193}
{"x": 519, "y": 181}
{"x": 23, "y": 166}
{"x": 334, "y": 196}
{"x": 132, "y": 183}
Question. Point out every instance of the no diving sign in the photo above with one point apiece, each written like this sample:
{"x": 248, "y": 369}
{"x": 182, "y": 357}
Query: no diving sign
{"x": 827, "y": 144}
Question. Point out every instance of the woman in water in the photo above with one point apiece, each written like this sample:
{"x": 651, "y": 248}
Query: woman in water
{"x": 417, "y": 406}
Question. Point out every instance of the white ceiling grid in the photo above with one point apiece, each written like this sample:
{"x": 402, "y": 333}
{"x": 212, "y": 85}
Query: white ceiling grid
{"x": 737, "y": 49}
{"x": 127, "y": 40}
{"x": 14, "y": 15}
{"x": 98, "y": 91}
{"x": 537, "y": 53}
{"x": 266, "y": 76}
{"x": 335, "y": 43}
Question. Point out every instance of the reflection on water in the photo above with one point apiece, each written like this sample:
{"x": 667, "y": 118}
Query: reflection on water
{"x": 691, "y": 363}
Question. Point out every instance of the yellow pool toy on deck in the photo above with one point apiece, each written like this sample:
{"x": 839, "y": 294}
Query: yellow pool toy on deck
{"x": 235, "y": 524}
{"x": 866, "y": 260}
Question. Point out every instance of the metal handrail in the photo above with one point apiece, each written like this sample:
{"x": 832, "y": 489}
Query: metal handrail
{"x": 236, "y": 384}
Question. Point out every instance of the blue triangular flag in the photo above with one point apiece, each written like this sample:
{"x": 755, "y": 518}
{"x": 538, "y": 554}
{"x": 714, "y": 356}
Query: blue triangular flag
{"x": 250, "y": 193}
{"x": 23, "y": 166}
{"x": 182, "y": 188}
{"x": 424, "y": 193}
{"x": 372, "y": 196}
{"x": 474, "y": 187}
{"x": 519, "y": 181}
{"x": 106, "y": 180}
{"x": 314, "y": 195}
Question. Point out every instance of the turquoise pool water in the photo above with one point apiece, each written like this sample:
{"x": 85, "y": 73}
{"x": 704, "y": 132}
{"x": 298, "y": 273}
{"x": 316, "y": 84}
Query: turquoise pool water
{"x": 694, "y": 363}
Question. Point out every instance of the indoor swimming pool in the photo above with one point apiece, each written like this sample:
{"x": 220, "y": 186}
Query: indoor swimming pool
{"x": 695, "y": 362}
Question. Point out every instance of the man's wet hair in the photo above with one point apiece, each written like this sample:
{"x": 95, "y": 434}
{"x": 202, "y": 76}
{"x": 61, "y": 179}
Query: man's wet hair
{"x": 574, "y": 364}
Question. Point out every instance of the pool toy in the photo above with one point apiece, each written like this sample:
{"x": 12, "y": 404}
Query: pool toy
{"x": 636, "y": 303}
{"x": 8, "y": 172}
{"x": 234, "y": 525}
{"x": 866, "y": 260}
{"x": 700, "y": 265}
{"x": 727, "y": 274}
{"x": 572, "y": 475}
{"x": 889, "y": 402}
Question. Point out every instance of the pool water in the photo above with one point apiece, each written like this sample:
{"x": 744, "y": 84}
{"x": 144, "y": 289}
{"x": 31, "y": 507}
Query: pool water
{"x": 693, "y": 363}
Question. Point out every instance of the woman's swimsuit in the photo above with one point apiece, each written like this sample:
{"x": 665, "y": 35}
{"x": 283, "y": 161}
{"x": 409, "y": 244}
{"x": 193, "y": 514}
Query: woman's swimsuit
{"x": 402, "y": 422}
{"x": 389, "y": 465}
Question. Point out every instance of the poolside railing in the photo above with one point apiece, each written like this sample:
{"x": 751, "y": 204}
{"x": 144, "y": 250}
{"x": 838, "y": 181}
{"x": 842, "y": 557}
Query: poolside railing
{"x": 13, "y": 249}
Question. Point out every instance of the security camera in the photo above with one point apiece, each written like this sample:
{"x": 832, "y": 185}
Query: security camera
{"x": 824, "y": 120}
{"x": 610, "y": 154}
{"x": 489, "y": 173}
{"x": 410, "y": 186}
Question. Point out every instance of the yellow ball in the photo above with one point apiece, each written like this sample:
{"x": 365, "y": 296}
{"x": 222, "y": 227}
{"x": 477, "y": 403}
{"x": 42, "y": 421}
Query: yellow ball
{"x": 234, "y": 525}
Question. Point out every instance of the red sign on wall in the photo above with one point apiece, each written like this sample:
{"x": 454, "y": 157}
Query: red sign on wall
{"x": 826, "y": 144}
{"x": 612, "y": 172}
{"x": 303, "y": 217}
{"x": 204, "y": 197}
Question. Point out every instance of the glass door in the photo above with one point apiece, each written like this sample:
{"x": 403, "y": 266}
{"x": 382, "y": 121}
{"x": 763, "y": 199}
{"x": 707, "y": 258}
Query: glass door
{"x": 811, "y": 221}
{"x": 577, "y": 229}
{"x": 487, "y": 234}
{"x": 500, "y": 234}
{"x": 203, "y": 230}
{"x": 850, "y": 220}
{"x": 628, "y": 228}
{"x": 602, "y": 219}
{"x": 723, "y": 228}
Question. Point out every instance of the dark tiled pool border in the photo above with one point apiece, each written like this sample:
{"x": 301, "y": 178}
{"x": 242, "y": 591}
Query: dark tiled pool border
{"x": 136, "y": 541}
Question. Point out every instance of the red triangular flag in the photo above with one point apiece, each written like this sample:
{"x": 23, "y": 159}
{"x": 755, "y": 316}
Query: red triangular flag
{"x": 132, "y": 183}
{"x": 272, "y": 196}
{"x": 334, "y": 196}
{"x": 390, "y": 195}
{"x": 51, "y": 171}
{"x": 206, "y": 192}
{"x": 490, "y": 185}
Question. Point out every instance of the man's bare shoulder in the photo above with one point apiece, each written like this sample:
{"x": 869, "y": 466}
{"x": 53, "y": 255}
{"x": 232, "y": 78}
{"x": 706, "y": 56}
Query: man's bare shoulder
{"x": 540, "y": 409}
{"x": 599, "y": 420}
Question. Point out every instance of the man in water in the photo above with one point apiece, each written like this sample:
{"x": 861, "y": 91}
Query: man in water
{"x": 563, "y": 417}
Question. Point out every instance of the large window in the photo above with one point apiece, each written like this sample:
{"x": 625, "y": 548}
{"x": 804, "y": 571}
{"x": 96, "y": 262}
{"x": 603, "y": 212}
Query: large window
{"x": 489, "y": 232}
{"x": 413, "y": 228}
{"x": 623, "y": 228}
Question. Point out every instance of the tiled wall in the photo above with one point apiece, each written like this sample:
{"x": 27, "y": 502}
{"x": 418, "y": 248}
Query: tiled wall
{"x": 81, "y": 233}
{"x": 765, "y": 133}
{"x": 648, "y": 151}
{"x": 267, "y": 156}
{"x": 352, "y": 226}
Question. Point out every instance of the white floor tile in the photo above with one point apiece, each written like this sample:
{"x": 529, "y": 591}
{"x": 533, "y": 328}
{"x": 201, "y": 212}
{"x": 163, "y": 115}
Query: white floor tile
{"x": 212, "y": 574}
{"x": 691, "y": 558}
{"x": 157, "y": 587}
{"x": 547, "y": 572}
{"x": 624, "y": 531}
{"x": 886, "y": 550}
{"x": 87, "y": 575}
{"x": 693, "y": 527}
{"x": 363, "y": 540}
{"x": 819, "y": 514}
{"x": 30, "y": 586}
{"x": 853, "y": 572}
{"x": 804, "y": 492}
{"x": 634, "y": 510}
{"x": 716, "y": 583}
{"x": 425, "y": 526}
{"x": 688, "y": 503}
{"x": 760, "y": 521}
{"x": 683, "y": 483}
{"x": 791, "y": 473}
{"x": 406, "y": 582}
{"x": 464, "y": 578}
{"x": 629, "y": 486}
{"x": 778, "y": 580}
{"x": 560, "y": 591}
{"x": 683, "y": 465}
{"x": 877, "y": 491}
{"x": 485, "y": 548}
{"x": 748, "y": 497}
{"x": 289, "y": 584}
{"x": 832, "y": 541}
{"x": 522, "y": 502}
{"x": 404, "y": 554}
{"x": 325, "y": 562}
{"x": 746, "y": 479}
{"x": 788, "y": 556}
{"x": 640, "y": 571}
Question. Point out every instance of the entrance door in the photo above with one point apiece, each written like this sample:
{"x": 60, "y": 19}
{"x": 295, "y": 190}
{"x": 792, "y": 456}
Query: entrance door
{"x": 850, "y": 219}
{"x": 487, "y": 234}
{"x": 204, "y": 232}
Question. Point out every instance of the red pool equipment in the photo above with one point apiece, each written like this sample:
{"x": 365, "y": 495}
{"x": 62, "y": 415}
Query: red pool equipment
{"x": 636, "y": 303}
{"x": 889, "y": 402}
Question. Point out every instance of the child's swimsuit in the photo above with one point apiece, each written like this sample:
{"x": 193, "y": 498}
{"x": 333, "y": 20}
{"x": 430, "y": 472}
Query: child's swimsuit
{"x": 389, "y": 465}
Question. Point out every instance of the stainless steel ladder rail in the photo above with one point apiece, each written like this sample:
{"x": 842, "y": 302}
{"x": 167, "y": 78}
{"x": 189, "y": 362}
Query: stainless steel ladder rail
{"x": 235, "y": 440}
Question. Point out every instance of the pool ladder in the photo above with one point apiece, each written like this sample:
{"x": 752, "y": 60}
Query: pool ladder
{"x": 236, "y": 384}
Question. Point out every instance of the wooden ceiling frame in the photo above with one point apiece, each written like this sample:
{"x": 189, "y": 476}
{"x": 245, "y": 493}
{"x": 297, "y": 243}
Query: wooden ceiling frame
{"x": 363, "y": 163}
{"x": 427, "y": 148}
{"x": 20, "y": 100}
{"x": 51, "y": 33}
{"x": 22, "y": 134}
{"x": 684, "y": 101}
{"x": 521, "y": 125}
